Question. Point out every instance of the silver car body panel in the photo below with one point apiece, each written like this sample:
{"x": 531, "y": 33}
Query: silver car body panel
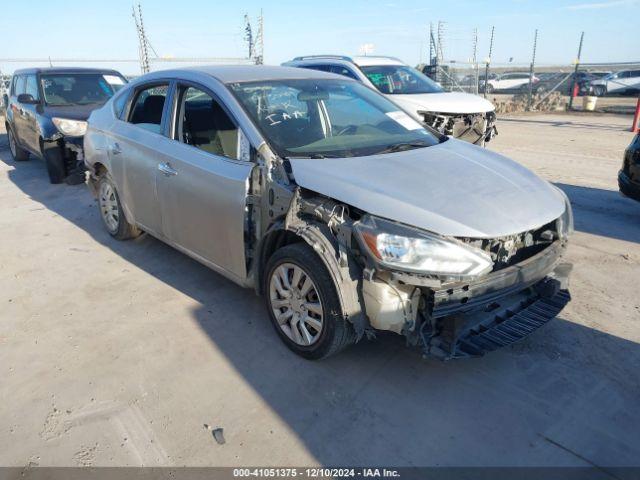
{"x": 453, "y": 189}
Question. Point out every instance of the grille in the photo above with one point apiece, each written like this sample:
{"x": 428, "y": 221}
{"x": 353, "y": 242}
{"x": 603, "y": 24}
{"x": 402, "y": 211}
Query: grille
{"x": 512, "y": 249}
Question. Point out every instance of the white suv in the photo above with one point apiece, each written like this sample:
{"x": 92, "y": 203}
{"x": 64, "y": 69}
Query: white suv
{"x": 626, "y": 81}
{"x": 462, "y": 115}
{"x": 510, "y": 81}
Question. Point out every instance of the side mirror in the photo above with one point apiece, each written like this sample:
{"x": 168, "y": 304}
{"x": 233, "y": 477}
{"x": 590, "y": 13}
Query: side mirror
{"x": 27, "y": 98}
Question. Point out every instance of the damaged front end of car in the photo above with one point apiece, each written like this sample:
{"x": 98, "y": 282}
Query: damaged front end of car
{"x": 451, "y": 297}
{"x": 476, "y": 128}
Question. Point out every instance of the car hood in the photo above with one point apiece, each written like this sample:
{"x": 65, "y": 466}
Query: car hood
{"x": 445, "y": 102}
{"x": 454, "y": 189}
{"x": 72, "y": 112}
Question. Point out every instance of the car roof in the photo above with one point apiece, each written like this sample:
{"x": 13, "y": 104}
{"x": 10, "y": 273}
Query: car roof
{"x": 362, "y": 61}
{"x": 245, "y": 73}
{"x": 70, "y": 70}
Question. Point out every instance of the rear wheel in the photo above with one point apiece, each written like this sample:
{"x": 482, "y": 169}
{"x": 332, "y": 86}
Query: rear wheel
{"x": 303, "y": 303}
{"x": 111, "y": 211}
{"x": 18, "y": 154}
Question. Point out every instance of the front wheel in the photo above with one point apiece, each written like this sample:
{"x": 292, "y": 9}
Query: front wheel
{"x": 599, "y": 91}
{"x": 489, "y": 88}
{"x": 303, "y": 303}
{"x": 111, "y": 211}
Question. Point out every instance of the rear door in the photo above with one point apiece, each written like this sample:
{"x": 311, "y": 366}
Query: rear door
{"x": 30, "y": 135}
{"x": 136, "y": 149}
{"x": 202, "y": 187}
{"x": 18, "y": 118}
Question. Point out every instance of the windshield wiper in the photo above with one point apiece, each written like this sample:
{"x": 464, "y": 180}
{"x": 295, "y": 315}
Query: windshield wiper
{"x": 401, "y": 146}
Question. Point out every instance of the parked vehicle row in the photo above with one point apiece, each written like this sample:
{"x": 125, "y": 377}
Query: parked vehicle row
{"x": 345, "y": 212}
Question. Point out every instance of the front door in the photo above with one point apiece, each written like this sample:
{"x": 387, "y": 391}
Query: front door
{"x": 202, "y": 188}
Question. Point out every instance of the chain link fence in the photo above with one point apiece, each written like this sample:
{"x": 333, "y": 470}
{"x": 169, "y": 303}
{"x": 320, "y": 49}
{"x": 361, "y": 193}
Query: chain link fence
{"x": 544, "y": 87}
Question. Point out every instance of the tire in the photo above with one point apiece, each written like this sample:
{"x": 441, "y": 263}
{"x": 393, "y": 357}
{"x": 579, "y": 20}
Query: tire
{"x": 489, "y": 88}
{"x": 18, "y": 154}
{"x": 54, "y": 161}
{"x": 335, "y": 333}
{"x": 599, "y": 91}
{"x": 111, "y": 211}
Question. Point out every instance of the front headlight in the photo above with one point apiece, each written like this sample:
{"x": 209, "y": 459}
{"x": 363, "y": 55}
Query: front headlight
{"x": 72, "y": 128}
{"x": 564, "y": 224}
{"x": 411, "y": 250}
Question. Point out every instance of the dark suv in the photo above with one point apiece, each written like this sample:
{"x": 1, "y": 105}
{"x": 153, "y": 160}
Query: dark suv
{"x": 47, "y": 109}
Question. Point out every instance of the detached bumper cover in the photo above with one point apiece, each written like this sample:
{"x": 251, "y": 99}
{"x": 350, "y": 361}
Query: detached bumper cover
{"x": 512, "y": 326}
{"x": 478, "y": 317}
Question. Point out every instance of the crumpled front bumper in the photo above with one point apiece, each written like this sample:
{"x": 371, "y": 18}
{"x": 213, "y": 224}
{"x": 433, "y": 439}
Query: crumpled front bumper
{"x": 500, "y": 309}
{"x": 470, "y": 318}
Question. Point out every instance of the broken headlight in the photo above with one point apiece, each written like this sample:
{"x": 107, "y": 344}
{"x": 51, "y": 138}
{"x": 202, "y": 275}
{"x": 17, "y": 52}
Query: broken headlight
{"x": 404, "y": 248}
{"x": 564, "y": 224}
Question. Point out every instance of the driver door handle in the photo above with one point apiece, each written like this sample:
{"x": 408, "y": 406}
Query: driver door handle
{"x": 166, "y": 169}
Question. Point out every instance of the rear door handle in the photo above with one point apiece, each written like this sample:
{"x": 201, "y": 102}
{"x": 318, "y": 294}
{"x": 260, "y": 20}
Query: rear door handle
{"x": 115, "y": 149}
{"x": 166, "y": 169}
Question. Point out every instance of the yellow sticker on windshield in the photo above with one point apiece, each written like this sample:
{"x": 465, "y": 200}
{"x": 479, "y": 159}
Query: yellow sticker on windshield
{"x": 405, "y": 120}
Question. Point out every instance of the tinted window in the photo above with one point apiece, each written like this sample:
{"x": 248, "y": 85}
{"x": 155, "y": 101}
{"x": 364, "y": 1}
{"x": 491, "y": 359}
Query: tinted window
{"x": 204, "y": 124}
{"x": 32, "y": 86}
{"x": 321, "y": 68}
{"x": 340, "y": 70}
{"x": 146, "y": 111}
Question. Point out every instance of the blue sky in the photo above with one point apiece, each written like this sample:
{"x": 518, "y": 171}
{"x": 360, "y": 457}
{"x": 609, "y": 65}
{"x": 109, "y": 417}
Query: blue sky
{"x": 197, "y": 28}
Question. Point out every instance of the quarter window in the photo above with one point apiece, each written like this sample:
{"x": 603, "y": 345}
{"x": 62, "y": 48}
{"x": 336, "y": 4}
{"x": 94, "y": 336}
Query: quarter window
{"x": 148, "y": 106}
{"x": 203, "y": 123}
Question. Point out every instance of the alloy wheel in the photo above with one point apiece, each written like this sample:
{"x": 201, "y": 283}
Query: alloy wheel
{"x": 296, "y": 304}
{"x": 109, "y": 207}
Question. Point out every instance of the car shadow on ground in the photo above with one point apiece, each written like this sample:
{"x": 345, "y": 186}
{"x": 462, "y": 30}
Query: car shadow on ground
{"x": 564, "y": 396}
{"x": 604, "y": 212}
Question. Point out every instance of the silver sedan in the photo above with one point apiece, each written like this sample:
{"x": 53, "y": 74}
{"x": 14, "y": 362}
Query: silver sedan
{"x": 343, "y": 211}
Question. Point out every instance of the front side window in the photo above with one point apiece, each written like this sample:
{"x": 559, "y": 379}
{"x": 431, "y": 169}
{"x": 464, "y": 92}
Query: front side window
{"x": 328, "y": 118}
{"x": 399, "y": 79}
{"x": 31, "y": 87}
{"x": 77, "y": 88}
{"x": 203, "y": 123}
{"x": 146, "y": 111}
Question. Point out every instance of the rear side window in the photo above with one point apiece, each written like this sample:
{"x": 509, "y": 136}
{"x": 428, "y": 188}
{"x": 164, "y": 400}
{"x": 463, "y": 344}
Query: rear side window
{"x": 345, "y": 72}
{"x": 147, "y": 108}
{"x": 321, "y": 68}
{"x": 204, "y": 124}
{"x": 20, "y": 85}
